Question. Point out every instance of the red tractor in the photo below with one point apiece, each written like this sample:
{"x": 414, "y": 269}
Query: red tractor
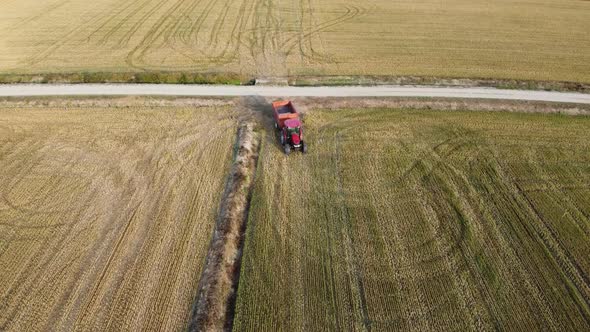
{"x": 289, "y": 126}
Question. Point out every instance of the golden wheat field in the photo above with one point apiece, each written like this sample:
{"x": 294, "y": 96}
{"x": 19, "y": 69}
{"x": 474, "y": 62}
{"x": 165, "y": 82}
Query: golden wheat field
{"x": 396, "y": 219}
{"x": 531, "y": 40}
{"x": 106, "y": 214}
{"x": 421, "y": 221}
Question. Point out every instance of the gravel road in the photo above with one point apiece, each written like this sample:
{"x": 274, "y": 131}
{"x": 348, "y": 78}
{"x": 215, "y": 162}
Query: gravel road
{"x": 21, "y": 90}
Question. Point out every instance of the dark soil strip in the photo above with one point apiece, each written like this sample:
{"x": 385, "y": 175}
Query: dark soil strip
{"x": 215, "y": 303}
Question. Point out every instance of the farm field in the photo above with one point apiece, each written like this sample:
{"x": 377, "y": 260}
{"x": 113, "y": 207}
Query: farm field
{"x": 106, "y": 214}
{"x": 421, "y": 220}
{"x": 541, "y": 40}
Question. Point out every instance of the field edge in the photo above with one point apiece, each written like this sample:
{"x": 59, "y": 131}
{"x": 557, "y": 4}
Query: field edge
{"x": 223, "y": 78}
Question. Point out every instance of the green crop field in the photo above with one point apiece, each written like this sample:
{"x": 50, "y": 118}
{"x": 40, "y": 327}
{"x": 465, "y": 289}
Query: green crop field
{"x": 421, "y": 220}
{"x": 504, "y": 39}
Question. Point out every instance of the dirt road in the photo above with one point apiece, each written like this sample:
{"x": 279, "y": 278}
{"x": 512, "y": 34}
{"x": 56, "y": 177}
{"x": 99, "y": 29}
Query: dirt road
{"x": 268, "y": 91}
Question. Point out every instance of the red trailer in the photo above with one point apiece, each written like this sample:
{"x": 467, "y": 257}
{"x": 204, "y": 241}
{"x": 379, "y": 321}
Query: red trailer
{"x": 283, "y": 110}
{"x": 289, "y": 126}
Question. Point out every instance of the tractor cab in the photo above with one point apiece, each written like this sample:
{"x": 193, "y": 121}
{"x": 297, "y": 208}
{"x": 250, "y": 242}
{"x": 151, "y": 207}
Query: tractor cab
{"x": 293, "y": 131}
{"x": 292, "y": 136}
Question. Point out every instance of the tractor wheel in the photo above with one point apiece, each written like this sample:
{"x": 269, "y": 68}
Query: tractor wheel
{"x": 304, "y": 148}
{"x": 287, "y": 149}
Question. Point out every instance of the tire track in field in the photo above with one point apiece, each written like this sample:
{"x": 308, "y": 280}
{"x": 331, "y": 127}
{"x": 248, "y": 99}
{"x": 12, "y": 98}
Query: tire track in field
{"x": 165, "y": 23}
{"x": 579, "y": 217}
{"x": 301, "y": 37}
{"x": 111, "y": 15}
{"x": 135, "y": 57}
{"x": 465, "y": 296}
{"x": 168, "y": 278}
{"x": 270, "y": 28}
{"x": 27, "y": 207}
{"x": 138, "y": 23}
{"x": 355, "y": 264}
{"x": 217, "y": 26}
{"x": 424, "y": 312}
{"x": 222, "y": 57}
{"x": 65, "y": 304}
{"x": 43, "y": 12}
{"x": 114, "y": 252}
{"x": 153, "y": 241}
{"x": 469, "y": 213}
{"x": 51, "y": 263}
{"x": 27, "y": 279}
{"x": 313, "y": 25}
{"x": 141, "y": 4}
{"x": 64, "y": 39}
{"x": 164, "y": 31}
{"x": 452, "y": 248}
{"x": 237, "y": 31}
{"x": 183, "y": 33}
{"x": 351, "y": 13}
{"x": 208, "y": 57}
{"x": 566, "y": 261}
{"x": 360, "y": 284}
{"x": 211, "y": 44}
{"x": 17, "y": 174}
{"x": 123, "y": 312}
{"x": 195, "y": 29}
{"x": 554, "y": 245}
{"x": 278, "y": 56}
{"x": 192, "y": 35}
{"x": 85, "y": 316}
{"x": 244, "y": 20}
{"x": 162, "y": 286}
{"x": 263, "y": 39}
{"x": 321, "y": 57}
{"x": 55, "y": 299}
{"x": 42, "y": 192}
{"x": 252, "y": 39}
{"x": 213, "y": 40}
{"x": 126, "y": 38}
{"x": 515, "y": 265}
{"x": 267, "y": 47}
{"x": 172, "y": 25}
{"x": 236, "y": 36}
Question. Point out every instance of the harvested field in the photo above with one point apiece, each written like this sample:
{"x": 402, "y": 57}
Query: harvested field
{"x": 106, "y": 214}
{"x": 397, "y": 219}
{"x": 421, "y": 220}
{"x": 541, "y": 40}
